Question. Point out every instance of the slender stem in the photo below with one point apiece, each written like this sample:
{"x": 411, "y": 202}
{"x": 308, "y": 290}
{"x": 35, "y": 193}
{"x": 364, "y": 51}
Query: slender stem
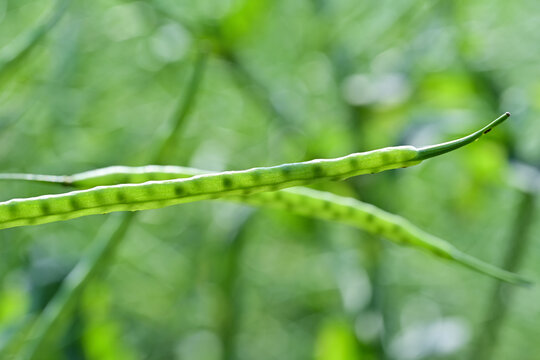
{"x": 254, "y": 88}
{"x": 439, "y": 149}
{"x": 27, "y": 41}
{"x": 499, "y": 300}
{"x": 231, "y": 285}
{"x": 96, "y": 257}
{"x": 64, "y": 299}
{"x": 184, "y": 107}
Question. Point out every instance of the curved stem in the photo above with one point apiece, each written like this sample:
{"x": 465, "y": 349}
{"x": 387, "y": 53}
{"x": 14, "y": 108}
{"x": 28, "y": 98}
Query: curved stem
{"x": 439, "y": 149}
{"x": 23, "y": 44}
{"x": 500, "y": 298}
{"x": 103, "y": 249}
{"x": 183, "y": 109}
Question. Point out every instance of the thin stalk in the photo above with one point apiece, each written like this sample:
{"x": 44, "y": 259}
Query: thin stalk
{"x": 24, "y": 44}
{"x": 62, "y": 303}
{"x": 96, "y": 257}
{"x": 491, "y": 91}
{"x": 253, "y": 87}
{"x": 231, "y": 287}
{"x": 183, "y": 109}
{"x": 499, "y": 300}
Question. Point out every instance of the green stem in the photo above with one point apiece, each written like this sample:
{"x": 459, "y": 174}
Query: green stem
{"x": 183, "y": 109}
{"x": 97, "y": 256}
{"x": 56, "y": 311}
{"x": 23, "y": 45}
{"x": 500, "y": 298}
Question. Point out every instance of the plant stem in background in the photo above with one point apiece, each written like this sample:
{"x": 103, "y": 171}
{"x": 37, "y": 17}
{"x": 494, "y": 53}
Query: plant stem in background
{"x": 500, "y": 298}
{"x": 182, "y": 111}
{"x": 252, "y": 87}
{"x": 231, "y": 285}
{"x": 488, "y": 86}
{"x": 23, "y": 45}
{"x": 96, "y": 258}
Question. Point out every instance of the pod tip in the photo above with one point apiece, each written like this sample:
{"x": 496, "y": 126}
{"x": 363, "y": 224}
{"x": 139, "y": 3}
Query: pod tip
{"x": 439, "y": 149}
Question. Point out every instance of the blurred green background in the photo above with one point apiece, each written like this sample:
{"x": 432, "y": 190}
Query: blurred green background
{"x": 88, "y": 84}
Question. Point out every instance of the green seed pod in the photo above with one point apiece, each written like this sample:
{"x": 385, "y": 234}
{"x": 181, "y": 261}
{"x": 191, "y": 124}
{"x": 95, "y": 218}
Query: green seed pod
{"x": 300, "y": 200}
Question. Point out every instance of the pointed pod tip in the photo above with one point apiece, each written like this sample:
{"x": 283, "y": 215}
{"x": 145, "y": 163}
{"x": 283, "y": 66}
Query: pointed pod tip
{"x": 519, "y": 280}
{"x": 439, "y": 149}
{"x": 526, "y": 282}
{"x": 513, "y": 278}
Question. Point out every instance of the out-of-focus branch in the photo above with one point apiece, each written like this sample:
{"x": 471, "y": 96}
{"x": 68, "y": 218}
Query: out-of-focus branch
{"x": 25, "y": 43}
{"x": 103, "y": 249}
{"x": 499, "y": 299}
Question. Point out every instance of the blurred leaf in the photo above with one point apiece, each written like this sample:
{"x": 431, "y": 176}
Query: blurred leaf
{"x": 336, "y": 341}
